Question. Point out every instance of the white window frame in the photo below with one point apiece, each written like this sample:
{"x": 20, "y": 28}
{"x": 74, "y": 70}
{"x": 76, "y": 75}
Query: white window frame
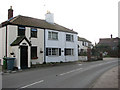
{"x": 51, "y": 53}
{"x": 71, "y": 51}
{"x": 51, "y": 35}
{"x": 70, "y": 38}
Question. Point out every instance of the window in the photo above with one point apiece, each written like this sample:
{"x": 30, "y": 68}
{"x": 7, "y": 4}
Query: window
{"x": 69, "y": 37}
{"x": 69, "y": 51}
{"x": 21, "y": 31}
{"x": 53, "y": 51}
{"x": 34, "y": 32}
{"x": 83, "y": 43}
{"x": 53, "y": 35}
{"x": 34, "y": 52}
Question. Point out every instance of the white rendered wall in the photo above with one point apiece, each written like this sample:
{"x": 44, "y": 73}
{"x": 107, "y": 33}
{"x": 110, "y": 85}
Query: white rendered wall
{"x": 2, "y": 41}
{"x": 61, "y": 43}
{"x": 49, "y": 17}
{"x": 39, "y": 42}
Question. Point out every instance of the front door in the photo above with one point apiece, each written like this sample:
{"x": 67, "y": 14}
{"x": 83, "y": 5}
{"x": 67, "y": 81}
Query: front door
{"x": 24, "y": 57}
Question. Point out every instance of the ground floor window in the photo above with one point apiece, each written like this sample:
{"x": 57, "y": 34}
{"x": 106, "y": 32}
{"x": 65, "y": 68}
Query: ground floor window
{"x": 69, "y": 51}
{"x": 53, "y": 51}
{"x": 34, "y": 52}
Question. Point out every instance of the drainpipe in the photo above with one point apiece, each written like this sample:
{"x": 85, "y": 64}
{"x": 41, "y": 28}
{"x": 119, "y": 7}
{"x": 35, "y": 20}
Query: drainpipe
{"x": 6, "y": 43}
{"x": 44, "y": 49}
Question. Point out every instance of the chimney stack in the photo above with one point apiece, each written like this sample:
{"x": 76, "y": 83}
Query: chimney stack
{"x": 49, "y": 17}
{"x": 10, "y": 12}
{"x": 111, "y": 35}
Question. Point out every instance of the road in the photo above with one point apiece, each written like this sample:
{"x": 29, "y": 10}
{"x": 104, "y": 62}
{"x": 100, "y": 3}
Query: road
{"x": 76, "y": 75}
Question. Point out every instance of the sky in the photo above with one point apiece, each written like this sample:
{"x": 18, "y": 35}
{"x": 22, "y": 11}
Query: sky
{"x": 92, "y": 19}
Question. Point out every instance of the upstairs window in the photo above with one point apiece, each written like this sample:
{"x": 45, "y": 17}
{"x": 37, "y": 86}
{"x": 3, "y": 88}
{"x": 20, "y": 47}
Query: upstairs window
{"x": 34, "y": 32}
{"x": 69, "y": 51}
{"x": 21, "y": 31}
{"x": 53, "y": 35}
{"x": 69, "y": 37}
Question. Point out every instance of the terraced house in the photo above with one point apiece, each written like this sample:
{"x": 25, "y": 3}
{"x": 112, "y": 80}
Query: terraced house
{"x": 32, "y": 41}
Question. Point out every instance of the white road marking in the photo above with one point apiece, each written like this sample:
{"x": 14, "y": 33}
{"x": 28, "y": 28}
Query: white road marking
{"x": 71, "y": 71}
{"x": 33, "y": 84}
{"x": 79, "y": 64}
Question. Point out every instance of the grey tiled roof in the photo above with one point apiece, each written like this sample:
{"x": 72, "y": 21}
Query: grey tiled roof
{"x": 33, "y": 22}
{"x": 83, "y": 39}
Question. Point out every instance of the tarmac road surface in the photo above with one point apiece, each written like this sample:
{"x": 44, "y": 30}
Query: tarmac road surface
{"x": 76, "y": 75}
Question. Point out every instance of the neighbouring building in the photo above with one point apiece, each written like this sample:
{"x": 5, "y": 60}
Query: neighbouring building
{"x": 109, "y": 46}
{"x": 35, "y": 41}
{"x": 83, "y": 45}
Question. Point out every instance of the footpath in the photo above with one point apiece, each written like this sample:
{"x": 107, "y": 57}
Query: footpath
{"x": 109, "y": 79}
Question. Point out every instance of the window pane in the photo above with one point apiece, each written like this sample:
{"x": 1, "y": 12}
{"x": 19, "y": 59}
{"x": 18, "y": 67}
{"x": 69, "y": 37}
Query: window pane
{"x": 69, "y": 52}
{"x": 49, "y": 35}
{"x": 54, "y": 51}
{"x": 68, "y": 37}
{"x": 72, "y": 39}
{"x": 54, "y": 35}
{"x": 33, "y": 32}
{"x": 33, "y": 52}
{"x": 49, "y": 51}
{"x": 21, "y": 31}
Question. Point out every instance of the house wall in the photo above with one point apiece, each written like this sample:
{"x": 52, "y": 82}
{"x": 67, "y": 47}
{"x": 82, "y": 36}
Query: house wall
{"x": 81, "y": 45}
{"x": 39, "y": 42}
{"x": 61, "y": 43}
{"x": 12, "y": 35}
{"x": 2, "y": 42}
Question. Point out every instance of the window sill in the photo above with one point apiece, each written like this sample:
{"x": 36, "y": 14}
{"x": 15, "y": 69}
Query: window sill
{"x": 33, "y": 37}
{"x": 69, "y": 41}
{"x": 69, "y": 55}
{"x": 35, "y": 58}
{"x": 53, "y": 55}
{"x": 53, "y": 39}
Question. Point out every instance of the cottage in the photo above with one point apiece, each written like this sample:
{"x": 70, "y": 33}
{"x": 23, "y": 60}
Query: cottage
{"x": 83, "y": 45}
{"x": 35, "y": 41}
{"x": 109, "y": 46}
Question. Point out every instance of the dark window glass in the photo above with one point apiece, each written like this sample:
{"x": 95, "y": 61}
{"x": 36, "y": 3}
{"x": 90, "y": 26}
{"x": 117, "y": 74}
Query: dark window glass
{"x": 69, "y": 37}
{"x": 53, "y": 51}
{"x": 53, "y": 35}
{"x": 21, "y": 31}
{"x": 69, "y": 51}
{"x": 34, "y": 32}
{"x": 33, "y": 52}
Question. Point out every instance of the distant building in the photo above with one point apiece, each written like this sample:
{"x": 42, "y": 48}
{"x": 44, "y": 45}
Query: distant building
{"x": 109, "y": 45}
{"x": 83, "y": 45}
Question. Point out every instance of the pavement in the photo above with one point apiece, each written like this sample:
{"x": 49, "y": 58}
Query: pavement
{"x": 108, "y": 80}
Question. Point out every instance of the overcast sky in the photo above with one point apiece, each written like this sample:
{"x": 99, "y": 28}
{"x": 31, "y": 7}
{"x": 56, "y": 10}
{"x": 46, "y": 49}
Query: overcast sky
{"x": 92, "y": 19}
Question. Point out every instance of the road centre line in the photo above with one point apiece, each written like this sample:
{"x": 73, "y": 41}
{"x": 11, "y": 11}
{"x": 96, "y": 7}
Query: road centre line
{"x": 70, "y": 71}
{"x": 79, "y": 64}
{"x": 33, "y": 84}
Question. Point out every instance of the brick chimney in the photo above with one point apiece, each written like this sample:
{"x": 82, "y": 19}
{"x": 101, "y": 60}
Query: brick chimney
{"x": 10, "y": 12}
{"x": 111, "y": 36}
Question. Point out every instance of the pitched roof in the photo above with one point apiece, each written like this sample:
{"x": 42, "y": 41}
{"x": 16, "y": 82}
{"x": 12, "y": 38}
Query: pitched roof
{"x": 38, "y": 23}
{"x": 18, "y": 40}
{"x": 109, "y": 41}
{"x": 83, "y": 39}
